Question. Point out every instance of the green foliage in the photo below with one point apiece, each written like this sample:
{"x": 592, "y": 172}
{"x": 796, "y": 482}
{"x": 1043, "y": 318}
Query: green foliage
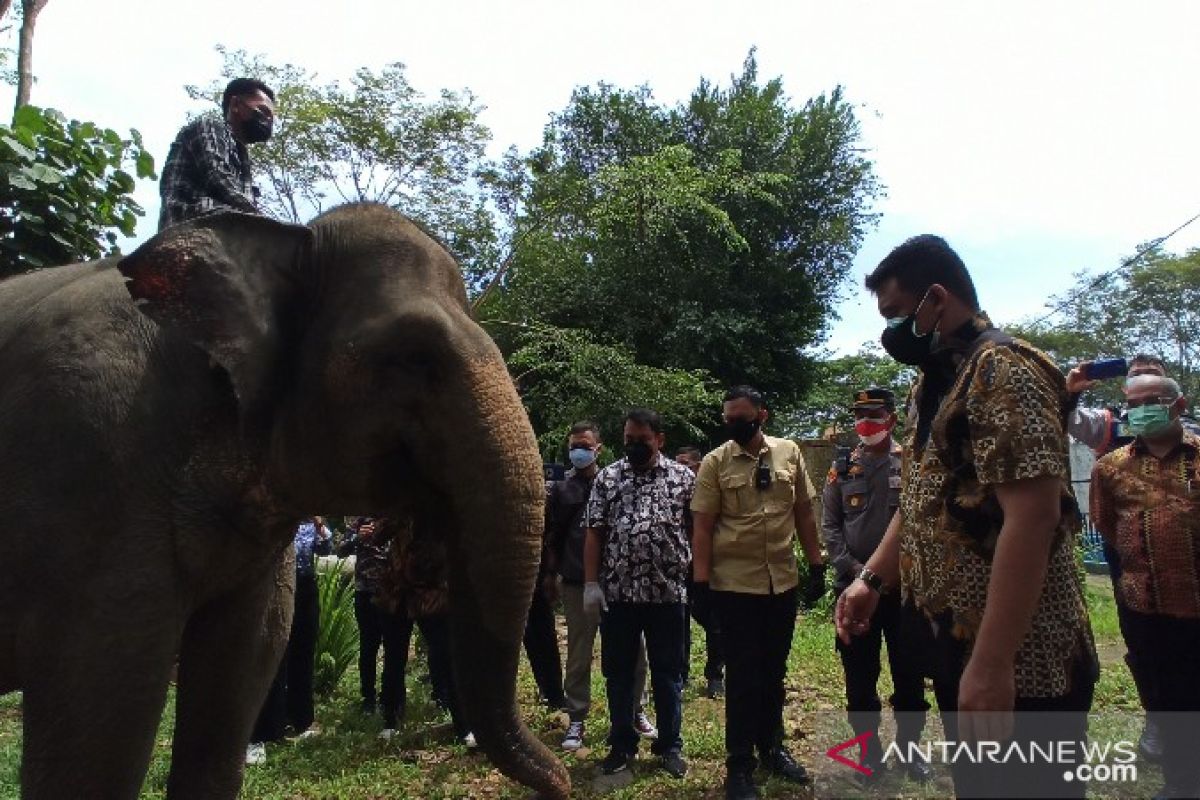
{"x": 66, "y": 189}
{"x": 377, "y": 139}
{"x": 337, "y": 631}
{"x": 711, "y": 236}
{"x": 1153, "y": 307}
{"x": 827, "y": 404}
{"x": 567, "y": 375}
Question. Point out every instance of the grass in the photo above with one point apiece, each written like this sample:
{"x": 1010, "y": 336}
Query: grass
{"x": 348, "y": 762}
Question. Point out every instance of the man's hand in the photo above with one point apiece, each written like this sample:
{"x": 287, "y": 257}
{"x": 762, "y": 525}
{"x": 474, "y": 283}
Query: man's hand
{"x": 1076, "y": 381}
{"x": 815, "y": 588}
{"x": 593, "y": 601}
{"x": 986, "y": 694}
{"x": 852, "y": 617}
{"x": 550, "y": 588}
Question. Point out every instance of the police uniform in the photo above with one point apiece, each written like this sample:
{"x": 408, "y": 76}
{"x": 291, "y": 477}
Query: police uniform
{"x": 862, "y": 493}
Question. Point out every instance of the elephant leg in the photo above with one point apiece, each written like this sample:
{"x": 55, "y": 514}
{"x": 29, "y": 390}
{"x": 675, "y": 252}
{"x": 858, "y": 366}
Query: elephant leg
{"x": 231, "y": 649}
{"x": 93, "y": 698}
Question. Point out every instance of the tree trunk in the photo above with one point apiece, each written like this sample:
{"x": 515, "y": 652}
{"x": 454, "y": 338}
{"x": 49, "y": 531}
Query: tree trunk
{"x": 29, "y": 14}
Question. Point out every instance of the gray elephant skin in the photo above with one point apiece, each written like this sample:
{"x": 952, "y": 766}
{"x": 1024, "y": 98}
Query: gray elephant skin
{"x": 167, "y": 419}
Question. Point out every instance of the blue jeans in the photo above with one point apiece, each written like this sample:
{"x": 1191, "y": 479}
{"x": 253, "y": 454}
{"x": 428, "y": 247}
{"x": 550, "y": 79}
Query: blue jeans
{"x": 621, "y": 630}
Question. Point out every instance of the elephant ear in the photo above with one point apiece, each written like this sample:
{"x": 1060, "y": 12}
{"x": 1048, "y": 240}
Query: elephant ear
{"x": 229, "y": 283}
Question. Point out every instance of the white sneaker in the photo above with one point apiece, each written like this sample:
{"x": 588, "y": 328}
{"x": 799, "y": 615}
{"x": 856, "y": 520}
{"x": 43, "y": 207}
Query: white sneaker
{"x": 256, "y": 754}
{"x": 574, "y": 738}
{"x": 387, "y": 733}
{"x": 644, "y": 727}
{"x": 469, "y": 741}
{"x": 308, "y": 734}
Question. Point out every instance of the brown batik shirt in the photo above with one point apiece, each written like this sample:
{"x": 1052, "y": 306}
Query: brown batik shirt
{"x": 1001, "y": 418}
{"x": 1149, "y": 509}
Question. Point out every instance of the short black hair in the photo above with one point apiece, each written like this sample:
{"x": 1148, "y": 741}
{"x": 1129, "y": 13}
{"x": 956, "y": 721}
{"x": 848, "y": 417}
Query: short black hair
{"x": 645, "y": 416}
{"x": 689, "y": 451}
{"x": 243, "y": 86}
{"x": 919, "y": 263}
{"x": 585, "y": 426}
{"x": 1144, "y": 358}
{"x": 749, "y": 392}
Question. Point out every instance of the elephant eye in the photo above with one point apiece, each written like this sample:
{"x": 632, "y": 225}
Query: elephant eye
{"x": 411, "y": 364}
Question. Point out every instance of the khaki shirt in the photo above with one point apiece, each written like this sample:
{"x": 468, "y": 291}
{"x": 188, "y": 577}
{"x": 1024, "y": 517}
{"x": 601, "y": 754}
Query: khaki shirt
{"x": 752, "y": 549}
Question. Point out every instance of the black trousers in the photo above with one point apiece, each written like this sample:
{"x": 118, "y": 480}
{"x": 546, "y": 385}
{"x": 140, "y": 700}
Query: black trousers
{"x": 435, "y": 629}
{"x": 714, "y": 660}
{"x": 379, "y": 627}
{"x": 541, "y": 646}
{"x": 902, "y": 627}
{"x": 1036, "y": 719}
{"x": 757, "y": 636}
{"x": 290, "y": 698}
{"x": 1168, "y": 649}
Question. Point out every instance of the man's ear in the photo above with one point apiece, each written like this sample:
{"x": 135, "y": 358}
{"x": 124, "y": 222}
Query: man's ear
{"x": 229, "y": 283}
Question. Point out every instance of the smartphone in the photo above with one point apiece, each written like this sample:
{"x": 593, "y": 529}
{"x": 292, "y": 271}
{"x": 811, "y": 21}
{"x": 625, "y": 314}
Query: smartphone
{"x": 1105, "y": 368}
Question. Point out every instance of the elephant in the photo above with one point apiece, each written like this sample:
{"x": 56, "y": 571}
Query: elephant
{"x": 167, "y": 418}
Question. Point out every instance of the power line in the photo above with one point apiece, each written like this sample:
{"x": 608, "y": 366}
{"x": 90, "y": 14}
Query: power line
{"x": 1103, "y": 276}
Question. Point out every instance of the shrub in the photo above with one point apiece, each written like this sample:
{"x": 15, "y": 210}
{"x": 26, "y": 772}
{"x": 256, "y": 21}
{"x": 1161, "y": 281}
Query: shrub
{"x": 337, "y": 631}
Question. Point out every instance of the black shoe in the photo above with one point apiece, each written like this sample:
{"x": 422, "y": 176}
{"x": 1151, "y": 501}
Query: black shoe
{"x": 715, "y": 689}
{"x": 782, "y": 763}
{"x": 740, "y": 786}
{"x": 615, "y": 762}
{"x": 367, "y": 707}
{"x": 917, "y": 771}
{"x": 1149, "y": 745}
{"x": 673, "y": 764}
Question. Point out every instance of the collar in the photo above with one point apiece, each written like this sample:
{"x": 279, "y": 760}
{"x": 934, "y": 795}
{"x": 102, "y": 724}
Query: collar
{"x": 738, "y": 450}
{"x": 1188, "y": 441}
{"x": 952, "y": 347}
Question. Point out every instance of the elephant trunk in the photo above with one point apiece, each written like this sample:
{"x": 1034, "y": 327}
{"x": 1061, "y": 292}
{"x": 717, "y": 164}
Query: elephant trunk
{"x": 498, "y": 503}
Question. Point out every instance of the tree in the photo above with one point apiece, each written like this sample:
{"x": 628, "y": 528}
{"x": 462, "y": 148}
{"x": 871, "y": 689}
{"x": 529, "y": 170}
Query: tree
{"x": 64, "y": 187}
{"x": 30, "y": 9}
{"x": 1152, "y": 307}
{"x": 826, "y": 407}
{"x": 565, "y": 376}
{"x": 379, "y": 140}
{"x": 711, "y": 236}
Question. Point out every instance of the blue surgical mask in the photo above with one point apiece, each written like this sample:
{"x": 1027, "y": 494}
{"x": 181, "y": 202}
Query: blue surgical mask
{"x": 581, "y": 457}
{"x": 1149, "y": 420}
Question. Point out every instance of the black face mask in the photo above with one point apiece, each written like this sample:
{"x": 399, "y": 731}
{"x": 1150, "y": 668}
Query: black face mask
{"x": 638, "y": 453}
{"x": 258, "y": 128}
{"x": 742, "y": 431}
{"x": 902, "y": 343}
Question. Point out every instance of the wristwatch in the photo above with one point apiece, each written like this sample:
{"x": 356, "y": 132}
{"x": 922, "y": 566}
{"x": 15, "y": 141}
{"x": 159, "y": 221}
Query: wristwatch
{"x": 871, "y": 579}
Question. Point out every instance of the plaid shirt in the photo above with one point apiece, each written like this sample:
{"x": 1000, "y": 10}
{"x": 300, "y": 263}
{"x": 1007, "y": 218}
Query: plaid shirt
{"x": 207, "y": 170}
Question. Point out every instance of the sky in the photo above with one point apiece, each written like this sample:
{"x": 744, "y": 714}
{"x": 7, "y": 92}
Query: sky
{"x": 1038, "y": 138}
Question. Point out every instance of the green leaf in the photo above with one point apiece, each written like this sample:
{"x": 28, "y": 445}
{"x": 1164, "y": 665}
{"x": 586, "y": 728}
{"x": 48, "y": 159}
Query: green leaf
{"x": 145, "y": 165}
{"x": 18, "y": 148}
{"x": 30, "y": 118}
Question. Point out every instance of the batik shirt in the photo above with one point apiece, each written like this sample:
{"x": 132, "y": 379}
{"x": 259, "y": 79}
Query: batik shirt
{"x": 1000, "y": 419}
{"x": 1149, "y": 508}
{"x": 207, "y": 170}
{"x": 644, "y": 518}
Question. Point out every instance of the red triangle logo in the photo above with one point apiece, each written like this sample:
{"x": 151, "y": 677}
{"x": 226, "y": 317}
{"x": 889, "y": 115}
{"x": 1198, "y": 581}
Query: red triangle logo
{"x": 835, "y": 753}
